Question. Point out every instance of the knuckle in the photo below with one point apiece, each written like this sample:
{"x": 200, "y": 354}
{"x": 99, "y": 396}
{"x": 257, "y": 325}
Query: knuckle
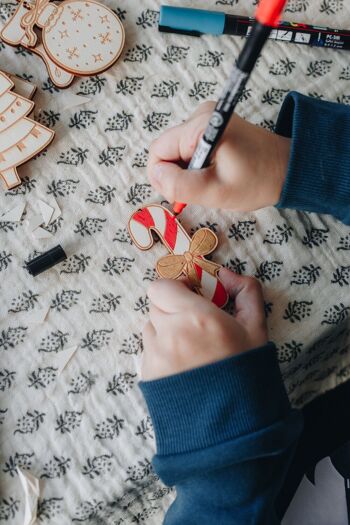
{"x": 203, "y": 320}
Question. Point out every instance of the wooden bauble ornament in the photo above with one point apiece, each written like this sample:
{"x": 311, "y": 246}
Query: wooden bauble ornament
{"x": 79, "y": 37}
{"x": 187, "y": 256}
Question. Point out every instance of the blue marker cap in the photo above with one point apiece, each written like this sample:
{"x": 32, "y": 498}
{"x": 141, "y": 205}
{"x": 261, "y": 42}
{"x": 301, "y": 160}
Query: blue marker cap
{"x": 191, "y": 21}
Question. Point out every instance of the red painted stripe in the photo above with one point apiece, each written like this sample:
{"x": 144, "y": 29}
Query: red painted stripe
{"x": 199, "y": 271}
{"x": 220, "y": 296}
{"x": 144, "y": 217}
{"x": 171, "y": 229}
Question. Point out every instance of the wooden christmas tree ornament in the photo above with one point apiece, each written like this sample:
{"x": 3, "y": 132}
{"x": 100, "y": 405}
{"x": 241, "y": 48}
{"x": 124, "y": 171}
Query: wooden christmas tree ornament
{"x": 21, "y": 138}
{"x": 186, "y": 254}
{"x": 79, "y": 37}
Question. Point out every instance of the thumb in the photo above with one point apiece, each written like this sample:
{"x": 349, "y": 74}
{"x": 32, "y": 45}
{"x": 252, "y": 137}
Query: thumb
{"x": 181, "y": 185}
{"x": 248, "y": 296}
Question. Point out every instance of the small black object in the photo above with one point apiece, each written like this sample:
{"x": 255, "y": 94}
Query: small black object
{"x": 46, "y": 260}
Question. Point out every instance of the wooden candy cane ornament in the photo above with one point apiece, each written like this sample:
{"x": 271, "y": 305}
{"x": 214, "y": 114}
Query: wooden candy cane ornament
{"x": 186, "y": 254}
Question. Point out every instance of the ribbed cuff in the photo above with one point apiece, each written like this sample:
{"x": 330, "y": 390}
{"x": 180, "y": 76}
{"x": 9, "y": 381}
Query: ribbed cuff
{"x": 212, "y": 404}
{"x": 318, "y": 177}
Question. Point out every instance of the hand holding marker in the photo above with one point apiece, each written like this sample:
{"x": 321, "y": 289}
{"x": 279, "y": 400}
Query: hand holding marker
{"x": 266, "y": 17}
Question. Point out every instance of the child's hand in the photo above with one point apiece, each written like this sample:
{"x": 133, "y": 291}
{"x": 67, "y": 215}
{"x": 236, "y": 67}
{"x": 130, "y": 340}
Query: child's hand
{"x": 248, "y": 169}
{"x": 186, "y": 330}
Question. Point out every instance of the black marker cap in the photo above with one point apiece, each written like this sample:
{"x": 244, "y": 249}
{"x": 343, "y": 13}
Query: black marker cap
{"x": 46, "y": 260}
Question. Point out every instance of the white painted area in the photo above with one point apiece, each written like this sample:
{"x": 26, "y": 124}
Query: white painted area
{"x": 159, "y": 218}
{"x": 5, "y": 83}
{"x": 6, "y": 100}
{"x": 10, "y": 177}
{"x": 21, "y": 132}
{"x": 182, "y": 244}
{"x": 90, "y": 50}
{"x": 14, "y": 134}
{"x": 208, "y": 284}
{"x": 140, "y": 234}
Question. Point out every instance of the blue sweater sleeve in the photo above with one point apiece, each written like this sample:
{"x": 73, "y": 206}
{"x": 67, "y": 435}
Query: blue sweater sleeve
{"x": 225, "y": 434}
{"x": 318, "y": 177}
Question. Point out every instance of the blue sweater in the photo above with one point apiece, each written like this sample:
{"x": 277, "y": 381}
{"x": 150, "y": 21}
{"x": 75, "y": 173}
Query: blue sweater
{"x": 226, "y": 432}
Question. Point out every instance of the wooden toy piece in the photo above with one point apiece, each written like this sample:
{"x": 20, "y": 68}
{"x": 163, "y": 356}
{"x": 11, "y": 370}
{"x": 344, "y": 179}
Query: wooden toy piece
{"x": 21, "y": 138}
{"x": 186, "y": 254}
{"x": 79, "y": 37}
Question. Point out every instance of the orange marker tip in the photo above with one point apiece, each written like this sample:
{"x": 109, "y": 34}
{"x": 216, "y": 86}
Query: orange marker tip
{"x": 178, "y": 207}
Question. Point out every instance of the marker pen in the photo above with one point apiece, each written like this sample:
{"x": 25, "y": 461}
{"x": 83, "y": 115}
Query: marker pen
{"x": 197, "y": 22}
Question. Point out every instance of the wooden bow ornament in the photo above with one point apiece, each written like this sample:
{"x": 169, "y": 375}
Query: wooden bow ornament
{"x": 203, "y": 242}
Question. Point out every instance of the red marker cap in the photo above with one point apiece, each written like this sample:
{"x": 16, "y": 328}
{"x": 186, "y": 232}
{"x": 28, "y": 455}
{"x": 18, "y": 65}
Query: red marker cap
{"x": 268, "y": 12}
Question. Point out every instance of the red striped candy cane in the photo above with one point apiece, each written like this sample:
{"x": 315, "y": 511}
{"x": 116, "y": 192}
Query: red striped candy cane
{"x": 164, "y": 223}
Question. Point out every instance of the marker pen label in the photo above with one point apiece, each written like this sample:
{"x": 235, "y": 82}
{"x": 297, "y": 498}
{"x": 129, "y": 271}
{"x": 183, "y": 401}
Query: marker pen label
{"x": 316, "y": 38}
{"x": 230, "y": 95}
{"x": 200, "y": 154}
{"x": 196, "y": 22}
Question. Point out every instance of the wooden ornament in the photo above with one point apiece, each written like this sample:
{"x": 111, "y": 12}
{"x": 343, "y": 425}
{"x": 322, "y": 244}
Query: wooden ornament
{"x": 21, "y": 138}
{"x": 79, "y": 37}
{"x": 186, "y": 254}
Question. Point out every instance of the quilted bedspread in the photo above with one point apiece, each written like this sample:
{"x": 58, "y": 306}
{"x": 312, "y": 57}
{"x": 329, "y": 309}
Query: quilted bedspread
{"x": 76, "y": 420}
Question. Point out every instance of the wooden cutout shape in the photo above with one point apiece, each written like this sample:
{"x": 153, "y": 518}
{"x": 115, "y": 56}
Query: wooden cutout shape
{"x": 79, "y": 37}
{"x": 186, "y": 254}
{"x": 21, "y": 138}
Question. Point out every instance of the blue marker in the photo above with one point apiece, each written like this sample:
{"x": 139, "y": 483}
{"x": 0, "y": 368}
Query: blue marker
{"x": 197, "y": 22}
